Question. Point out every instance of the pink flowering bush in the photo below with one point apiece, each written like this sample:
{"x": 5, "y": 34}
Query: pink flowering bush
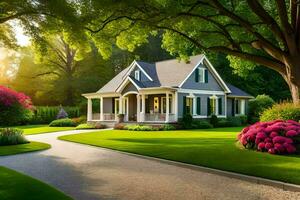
{"x": 274, "y": 137}
{"x": 15, "y": 107}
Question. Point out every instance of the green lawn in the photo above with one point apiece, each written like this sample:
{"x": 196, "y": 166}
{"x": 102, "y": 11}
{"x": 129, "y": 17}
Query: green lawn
{"x": 16, "y": 186}
{"x": 23, "y": 148}
{"x": 215, "y": 148}
{"x": 37, "y": 129}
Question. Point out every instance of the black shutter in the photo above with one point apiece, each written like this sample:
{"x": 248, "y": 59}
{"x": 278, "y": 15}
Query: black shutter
{"x": 220, "y": 106}
{"x": 184, "y": 105}
{"x": 208, "y": 107}
{"x": 206, "y": 76}
{"x": 198, "y": 106}
{"x": 197, "y": 75}
{"x": 232, "y": 107}
{"x": 140, "y": 75}
{"x": 113, "y": 105}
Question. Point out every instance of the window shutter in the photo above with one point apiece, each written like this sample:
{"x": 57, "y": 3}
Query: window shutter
{"x": 206, "y": 75}
{"x": 220, "y": 106}
{"x": 113, "y": 105}
{"x": 197, "y": 75}
{"x": 184, "y": 105}
{"x": 232, "y": 107}
{"x": 208, "y": 107}
{"x": 140, "y": 73}
{"x": 198, "y": 106}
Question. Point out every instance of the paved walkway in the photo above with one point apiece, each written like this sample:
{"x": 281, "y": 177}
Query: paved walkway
{"x": 88, "y": 173}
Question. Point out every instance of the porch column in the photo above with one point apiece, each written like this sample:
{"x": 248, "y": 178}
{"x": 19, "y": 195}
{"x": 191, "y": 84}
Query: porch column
{"x": 167, "y": 107}
{"x": 142, "y": 118}
{"x": 195, "y": 105}
{"x": 176, "y": 105}
{"x": 89, "y": 110}
{"x": 120, "y": 105}
{"x": 101, "y": 108}
{"x": 138, "y": 112}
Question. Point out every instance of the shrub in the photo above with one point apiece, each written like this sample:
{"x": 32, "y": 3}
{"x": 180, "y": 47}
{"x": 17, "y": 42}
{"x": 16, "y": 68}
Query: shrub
{"x": 120, "y": 126}
{"x": 79, "y": 120}
{"x": 214, "y": 120}
{"x": 62, "y": 123}
{"x": 16, "y": 108}
{"x": 167, "y": 127}
{"x": 186, "y": 121}
{"x": 275, "y": 137}
{"x": 258, "y": 105}
{"x": 86, "y": 126}
{"x": 224, "y": 123}
{"x": 46, "y": 114}
{"x": 62, "y": 114}
{"x": 283, "y": 111}
{"x": 98, "y": 125}
{"x": 11, "y": 136}
{"x": 141, "y": 128}
{"x": 201, "y": 124}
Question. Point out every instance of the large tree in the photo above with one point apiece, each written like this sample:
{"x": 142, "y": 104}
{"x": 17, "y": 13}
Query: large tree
{"x": 250, "y": 32}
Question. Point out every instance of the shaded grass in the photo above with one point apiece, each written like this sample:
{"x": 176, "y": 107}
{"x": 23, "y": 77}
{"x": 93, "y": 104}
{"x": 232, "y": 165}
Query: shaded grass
{"x": 37, "y": 129}
{"x": 16, "y": 186}
{"x": 215, "y": 148}
{"x": 23, "y": 148}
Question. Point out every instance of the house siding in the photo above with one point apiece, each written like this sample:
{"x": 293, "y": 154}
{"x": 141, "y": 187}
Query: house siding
{"x": 143, "y": 77}
{"x": 229, "y": 106}
{"x": 212, "y": 83}
{"x": 203, "y": 103}
{"x": 129, "y": 88}
{"x": 107, "y": 105}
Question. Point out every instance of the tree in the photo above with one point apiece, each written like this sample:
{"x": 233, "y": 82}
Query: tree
{"x": 263, "y": 33}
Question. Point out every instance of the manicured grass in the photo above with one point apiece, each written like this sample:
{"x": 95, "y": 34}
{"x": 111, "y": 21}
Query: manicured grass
{"x": 16, "y": 186}
{"x": 37, "y": 129}
{"x": 215, "y": 148}
{"x": 22, "y": 148}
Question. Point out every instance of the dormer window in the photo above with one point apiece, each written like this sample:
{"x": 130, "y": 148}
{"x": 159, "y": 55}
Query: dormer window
{"x": 137, "y": 75}
{"x": 201, "y": 75}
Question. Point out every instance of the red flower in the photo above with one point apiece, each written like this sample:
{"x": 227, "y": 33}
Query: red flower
{"x": 8, "y": 97}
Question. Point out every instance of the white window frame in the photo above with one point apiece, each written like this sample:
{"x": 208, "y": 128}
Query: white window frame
{"x": 201, "y": 72}
{"x": 170, "y": 104}
{"x": 215, "y": 99}
{"x": 137, "y": 75}
{"x": 241, "y": 105}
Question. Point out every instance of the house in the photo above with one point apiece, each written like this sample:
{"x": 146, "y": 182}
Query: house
{"x": 165, "y": 91}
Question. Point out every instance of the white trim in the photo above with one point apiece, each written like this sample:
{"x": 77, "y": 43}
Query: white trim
{"x": 241, "y": 97}
{"x": 217, "y": 74}
{"x": 176, "y": 105}
{"x": 214, "y": 72}
{"x": 125, "y": 82}
{"x": 196, "y": 66}
{"x": 225, "y": 104}
{"x": 130, "y": 92}
{"x": 206, "y": 117}
{"x": 201, "y": 91}
{"x": 137, "y": 75}
{"x": 133, "y": 64}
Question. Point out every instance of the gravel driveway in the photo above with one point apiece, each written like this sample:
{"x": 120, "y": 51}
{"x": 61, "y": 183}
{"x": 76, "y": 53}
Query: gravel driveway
{"x": 88, "y": 173}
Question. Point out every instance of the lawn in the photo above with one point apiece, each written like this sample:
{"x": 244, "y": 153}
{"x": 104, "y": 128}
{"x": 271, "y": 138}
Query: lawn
{"x": 23, "y": 148}
{"x": 214, "y": 148}
{"x": 37, "y": 129}
{"x": 16, "y": 186}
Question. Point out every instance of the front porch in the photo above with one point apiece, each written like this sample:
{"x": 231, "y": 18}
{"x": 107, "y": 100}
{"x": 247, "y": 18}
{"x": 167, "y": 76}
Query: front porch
{"x": 137, "y": 107}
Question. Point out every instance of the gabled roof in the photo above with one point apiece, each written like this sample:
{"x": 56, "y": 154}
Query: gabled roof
{"x": 169, "y": 73}
{"x": 236, "y": 92}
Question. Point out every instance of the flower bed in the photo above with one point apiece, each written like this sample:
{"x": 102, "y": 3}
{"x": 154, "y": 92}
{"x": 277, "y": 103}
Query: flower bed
{"x": 275, "y": 137}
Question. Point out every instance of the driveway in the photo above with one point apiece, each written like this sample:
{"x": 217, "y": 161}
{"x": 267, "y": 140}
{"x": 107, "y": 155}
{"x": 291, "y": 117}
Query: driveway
{"x": 88, "y": 173}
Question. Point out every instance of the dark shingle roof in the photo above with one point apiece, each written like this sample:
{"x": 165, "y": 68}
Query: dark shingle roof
{"x": 236, "y": 91}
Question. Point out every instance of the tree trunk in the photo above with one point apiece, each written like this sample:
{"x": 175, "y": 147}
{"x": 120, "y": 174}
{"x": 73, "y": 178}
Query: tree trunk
{"x": 292, "y": 77}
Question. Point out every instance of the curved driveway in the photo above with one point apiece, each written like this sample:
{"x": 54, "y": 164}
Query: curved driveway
{"x": 88, "y": 173}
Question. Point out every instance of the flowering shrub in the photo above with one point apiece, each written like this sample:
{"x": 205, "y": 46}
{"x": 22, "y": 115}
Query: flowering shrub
{"x": 275, "y": 137}
{"x": 15, "y": 107}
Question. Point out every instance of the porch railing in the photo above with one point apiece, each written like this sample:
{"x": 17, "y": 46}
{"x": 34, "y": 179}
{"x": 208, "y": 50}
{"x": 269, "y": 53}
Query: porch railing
{"x": 106, "y": 116}
{"x": 158, "y": 117}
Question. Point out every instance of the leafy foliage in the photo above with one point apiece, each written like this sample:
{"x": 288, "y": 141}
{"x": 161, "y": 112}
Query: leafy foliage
{"x": 11, "y": 136}
{"x": 257, "y": 106}
{"x": 62, "y": 123}
{"x": 16, "y": 108}
{"x": 282, "y": 111}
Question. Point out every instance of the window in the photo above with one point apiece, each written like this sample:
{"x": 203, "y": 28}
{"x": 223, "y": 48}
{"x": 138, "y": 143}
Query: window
{"x": 117, "y": 106}
{"x": 164, "y": 105}
{"x": 201, "y": 75}
{"x": 240, "y": 106}
{"x": 214, "y": 105}
{"x": 189, "y": 106}
{"x": 137, "y": 75}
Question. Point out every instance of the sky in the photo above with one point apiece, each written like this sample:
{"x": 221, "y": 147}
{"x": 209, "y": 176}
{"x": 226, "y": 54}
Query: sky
{"x": 22, "y": 39}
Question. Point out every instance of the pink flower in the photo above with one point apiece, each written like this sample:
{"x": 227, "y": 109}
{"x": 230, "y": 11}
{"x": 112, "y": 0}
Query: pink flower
{"x": 290, "y": 149}
{"x": 291, "y": 133}
{"x": 273, "y": 134}
{"x": 279, "y": 139}
{"x": 261, "y": 135}
{"x": 268, "y": 140}
{"x": 279, "y": 147}
{"x": 269, "y": 145}
{"x": 261, "y": 146}
{"x": 271, "y": 151}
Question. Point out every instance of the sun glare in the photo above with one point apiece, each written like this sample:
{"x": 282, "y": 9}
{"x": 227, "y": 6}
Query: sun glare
{"x": 22, "y": 39}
